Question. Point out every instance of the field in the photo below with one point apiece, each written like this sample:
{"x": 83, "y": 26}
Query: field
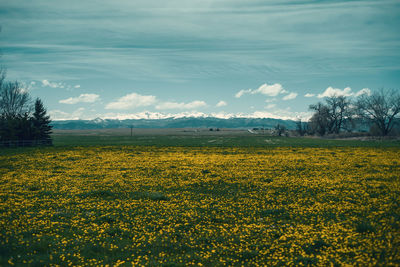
{"x": 182, "y": 200}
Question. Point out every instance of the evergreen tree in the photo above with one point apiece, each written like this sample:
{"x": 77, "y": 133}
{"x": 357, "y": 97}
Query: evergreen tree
{"x": 41, "y": 124}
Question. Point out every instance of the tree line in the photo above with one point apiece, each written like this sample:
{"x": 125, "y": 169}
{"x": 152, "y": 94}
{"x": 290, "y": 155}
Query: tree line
{"x": 378, "y": 110}
{"x": 22, "y": 121}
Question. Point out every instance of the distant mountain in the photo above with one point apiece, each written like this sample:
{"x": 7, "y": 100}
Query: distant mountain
{"x": 185, "y": 122}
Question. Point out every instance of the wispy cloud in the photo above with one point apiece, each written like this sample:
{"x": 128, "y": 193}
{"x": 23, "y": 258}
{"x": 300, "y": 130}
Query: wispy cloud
{"x": 221, "y": 104}
{"x": 62, "y": 115}
{"x": 181, "y": 105}
{"x": 47, "y": 83}
{"x": 83, "y": 98}
{"x": 309, "y": 95}
{"x": 132, "y": 100}
{"x": 290, "y": 96}
{"x": 242, "y": 92}
{"x": 269, "y": 106}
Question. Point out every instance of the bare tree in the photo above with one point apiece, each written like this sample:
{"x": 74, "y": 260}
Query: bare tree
{"x": 14, "y": 101}
{"x": 381, "y": 108}
{"x": 331, "y": 116}
{"x": 319, "y": 122}
{"x": 338, "y": 111}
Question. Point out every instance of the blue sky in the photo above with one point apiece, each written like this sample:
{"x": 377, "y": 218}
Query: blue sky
{"x": 153, "y": 58}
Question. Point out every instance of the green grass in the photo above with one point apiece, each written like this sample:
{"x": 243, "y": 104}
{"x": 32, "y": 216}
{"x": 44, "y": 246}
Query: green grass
{"x": 217, "y": 141}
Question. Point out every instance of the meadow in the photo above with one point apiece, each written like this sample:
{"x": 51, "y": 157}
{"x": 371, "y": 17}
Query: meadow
{"x": 159, "y": 202}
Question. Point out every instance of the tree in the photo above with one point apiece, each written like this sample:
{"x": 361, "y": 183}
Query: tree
{"x": 280, "y": 129}
{"x": 319, "y": 122}
{"x": 330, "y": 117}
{"x": 381, "y": 108}
{"x": 300, "y": 128}
{"x": 2, "y": 77}
{"x": 338, "y": 107}
{"x": 41, "y": 123}
{"x": 18, "y": 126}
{"x": 14, "y": 101}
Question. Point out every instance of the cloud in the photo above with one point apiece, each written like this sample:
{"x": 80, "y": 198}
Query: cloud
{"x": 52, "y": 84}
{"x": 265, "y": 89}
{"x": 330, "y": 91}
{"x": 309, "y": 95}
{"x": 270, "y": 90}
{"x": 61, "y": 115}
{"x": 345, "y": 92}
{"x": 176, "y": 105}
{"x": 132, "y": 100}
{"x": 83, "y": 98}
{"x": 270, "y": 100}
{"x": 242, "y": 92}
{"x": 77, "y": 86}
{"x": 290, "y": 96}
{"x": 270, "y": 106}
{"x": 221, "y": 104}
{"x": 364, "y": 91}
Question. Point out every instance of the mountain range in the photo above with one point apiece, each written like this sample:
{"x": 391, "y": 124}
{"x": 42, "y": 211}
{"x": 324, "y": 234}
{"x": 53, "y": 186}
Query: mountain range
{"x": 185, "y": 122}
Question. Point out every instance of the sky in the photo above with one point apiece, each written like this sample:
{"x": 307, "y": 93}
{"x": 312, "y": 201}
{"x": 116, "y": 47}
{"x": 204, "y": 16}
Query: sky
{"x": 129, "y": 59}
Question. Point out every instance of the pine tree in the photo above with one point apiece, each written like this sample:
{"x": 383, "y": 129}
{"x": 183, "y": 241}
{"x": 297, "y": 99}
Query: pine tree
{"x": 41, "y": 124}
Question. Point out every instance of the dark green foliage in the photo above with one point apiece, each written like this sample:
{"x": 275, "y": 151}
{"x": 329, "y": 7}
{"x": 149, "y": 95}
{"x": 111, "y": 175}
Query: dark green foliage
{"x": 25, "y": 129}
{"x": 18, "y": 126}
{"x": 41, "y": 123}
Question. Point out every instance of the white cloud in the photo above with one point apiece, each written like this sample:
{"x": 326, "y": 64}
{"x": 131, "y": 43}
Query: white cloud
{"x": 132, "y": 100}
{"x": 345, "y": 92}
{"x": 83, "y": 98}
{"x": 52, "y": 84}
{"x": 265, "y": 89}
{"x": 77, "y": 86}
{"x": 269, "y": 106}
{"x": 364, "y": 91}
{"x": 61, "y": 115}
{"x": 176, "y": 105}
{"x": 330, "y": 91}
{"x": 242, "y": 92}
{"x": 290, "y": 96}
{"x": 309, "y": 95}
{"x": 221, "y": 104}
{"x": 270, "y": 90}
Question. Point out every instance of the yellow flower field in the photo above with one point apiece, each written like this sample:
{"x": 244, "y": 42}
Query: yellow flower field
{"x": 200, "y": 206}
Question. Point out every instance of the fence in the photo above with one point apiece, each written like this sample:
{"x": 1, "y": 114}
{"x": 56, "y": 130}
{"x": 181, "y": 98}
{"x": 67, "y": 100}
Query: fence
{"x": 25, "y": 143}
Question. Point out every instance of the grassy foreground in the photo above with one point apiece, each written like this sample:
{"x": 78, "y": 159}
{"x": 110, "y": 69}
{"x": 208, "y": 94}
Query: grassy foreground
{"x": 202, "y": 140}
{"x": 146, "y": 205}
